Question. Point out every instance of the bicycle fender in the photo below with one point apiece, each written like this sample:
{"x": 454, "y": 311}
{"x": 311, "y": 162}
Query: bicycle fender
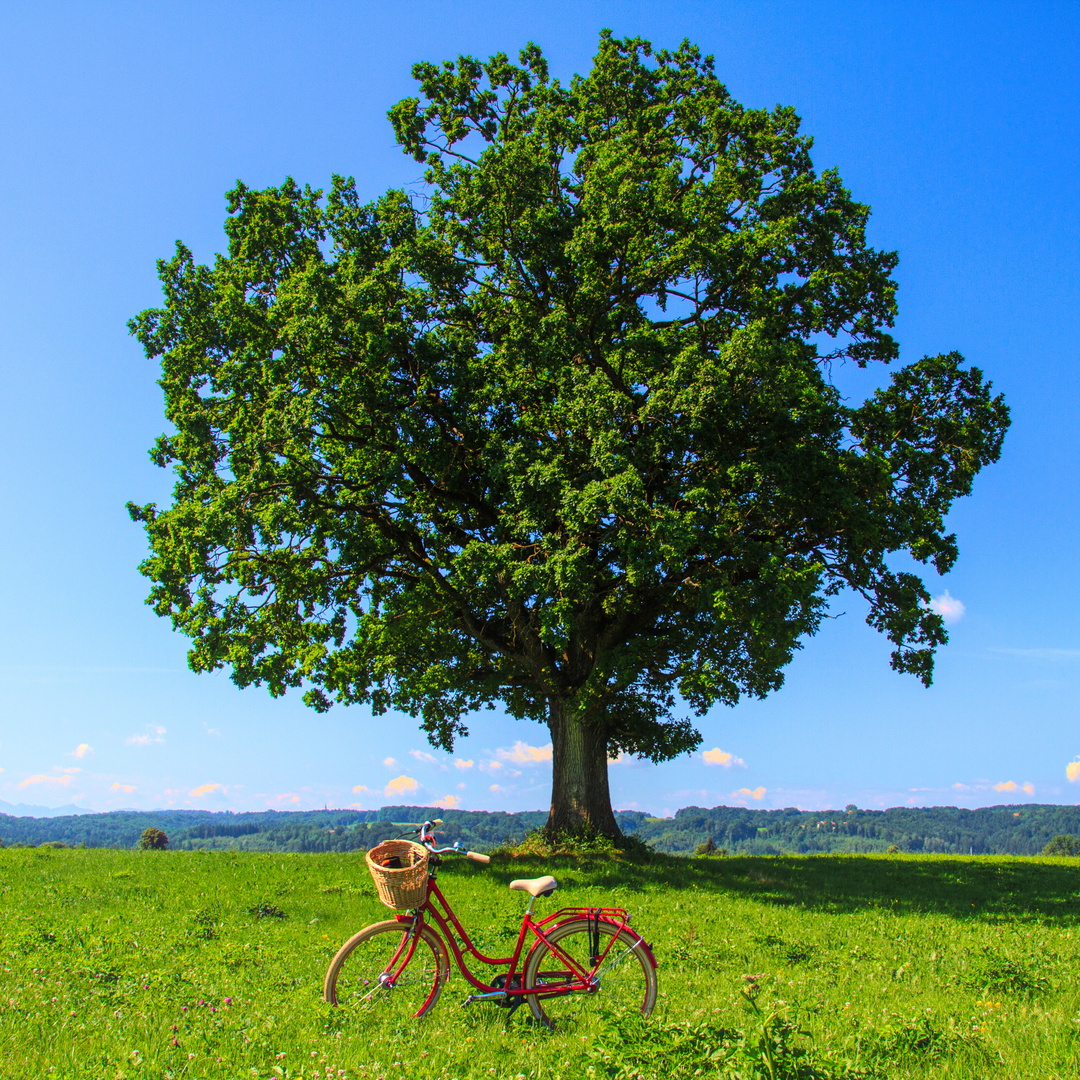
{"x": 642, "y": 944}
{"x": 648, "y": 953}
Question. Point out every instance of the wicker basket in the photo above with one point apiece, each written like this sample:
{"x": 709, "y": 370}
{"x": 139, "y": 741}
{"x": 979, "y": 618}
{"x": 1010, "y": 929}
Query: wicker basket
{"x": 403, "y": 883}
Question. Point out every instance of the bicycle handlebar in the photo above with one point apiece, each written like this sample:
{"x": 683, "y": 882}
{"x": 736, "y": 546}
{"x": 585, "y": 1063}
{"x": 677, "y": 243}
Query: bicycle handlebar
{"x": 426, "y": 837}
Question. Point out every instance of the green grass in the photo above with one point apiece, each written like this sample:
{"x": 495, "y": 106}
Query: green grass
{"x": 152, "y": 964}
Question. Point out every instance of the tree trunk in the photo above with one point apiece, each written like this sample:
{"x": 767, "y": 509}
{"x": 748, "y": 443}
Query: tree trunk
{"x": 580, "y": 799}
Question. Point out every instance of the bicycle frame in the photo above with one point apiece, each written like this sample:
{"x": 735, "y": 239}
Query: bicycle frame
{"x": 583, "y": 981}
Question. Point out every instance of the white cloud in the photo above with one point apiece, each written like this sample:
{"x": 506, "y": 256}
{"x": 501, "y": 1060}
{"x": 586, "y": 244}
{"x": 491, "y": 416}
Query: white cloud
{"x": 524, "y": 754}
{"x": 212, "y": 730}
{"x": 716, "y": 756}
{"x": 129, "y": 788}
{"x": 1072, "y": 771}
{"x": 948, "y": 607}
{"x": 203, "y": 789}
{"x": 1006, "y": 785}
{"x": 41, "y": 778}
{"x": 1029, "y": 788}
{"x": 359, "y": 788}
{"x": 155, "y": 733}
{"x": 69, "y": 769}
{"x": 447, "y": 802}
{"x": 494, "y": 787}
{"x": 460, "y": 763}
{"x": 82, "y": 750}
{"x": 288, "y": 796}
{"x": 399, "y": 785}
{"x": 491, "y": 766}
{"x": 423, "y": 755}
{"x": 389, "y": 762}
{"x": 746, "y": 793}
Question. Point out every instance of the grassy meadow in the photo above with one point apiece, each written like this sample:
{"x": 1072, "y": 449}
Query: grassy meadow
{"x": 126, "y": 964}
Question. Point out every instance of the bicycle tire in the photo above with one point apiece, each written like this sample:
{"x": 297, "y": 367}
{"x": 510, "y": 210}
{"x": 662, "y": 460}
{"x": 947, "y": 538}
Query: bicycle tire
{"x": 352, "y": 980}
{"x": 627, "y": 977}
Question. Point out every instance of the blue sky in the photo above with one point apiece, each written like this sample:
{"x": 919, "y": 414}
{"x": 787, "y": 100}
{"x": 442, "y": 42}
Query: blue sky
{"x": 121, "y": 127}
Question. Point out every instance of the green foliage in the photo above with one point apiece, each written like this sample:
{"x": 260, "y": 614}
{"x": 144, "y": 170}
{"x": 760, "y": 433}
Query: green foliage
{"x": 1015, "y": 830}
{"x": 995, "y": 974}
{"x": 580, "y": 842}
{"x": 557, "y": 433}
{"x": 994, "y": 830}
{"x": 266, "y": 911}
{"x": 768, "y": 1048}
{"x": 1063, "y": 845}
{"x": 153, "y": 840}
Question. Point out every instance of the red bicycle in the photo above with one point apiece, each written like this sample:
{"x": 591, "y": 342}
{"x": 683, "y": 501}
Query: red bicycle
{"x": 399, "y": 967}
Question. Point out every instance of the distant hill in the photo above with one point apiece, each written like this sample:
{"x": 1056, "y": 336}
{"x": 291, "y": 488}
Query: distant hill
{"x": 994, "y": 830}
{"x": 26, "y": 810}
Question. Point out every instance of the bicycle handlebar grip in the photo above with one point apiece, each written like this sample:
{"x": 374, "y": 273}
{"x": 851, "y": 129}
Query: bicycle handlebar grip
{"x": 477, "y": 857}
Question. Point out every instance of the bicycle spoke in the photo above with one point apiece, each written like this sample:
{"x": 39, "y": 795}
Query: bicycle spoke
{"x": 619, "y": 986}
{"x": 609, "y": 964}
{"x": 357, "y": 977}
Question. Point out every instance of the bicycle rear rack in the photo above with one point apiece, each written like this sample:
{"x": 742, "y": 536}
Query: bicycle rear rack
{"x": 612, "y": 914}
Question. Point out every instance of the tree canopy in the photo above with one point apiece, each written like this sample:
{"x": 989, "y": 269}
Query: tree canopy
{"x": 153, "y": 840}
{"x": 557, "y": 430}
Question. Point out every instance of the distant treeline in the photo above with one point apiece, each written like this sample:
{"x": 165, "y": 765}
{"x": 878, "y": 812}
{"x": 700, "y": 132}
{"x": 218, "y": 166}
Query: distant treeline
{"x": 302, "y": 830}
{"x": 991, "y": 830}
{"x": 994, "y": 830}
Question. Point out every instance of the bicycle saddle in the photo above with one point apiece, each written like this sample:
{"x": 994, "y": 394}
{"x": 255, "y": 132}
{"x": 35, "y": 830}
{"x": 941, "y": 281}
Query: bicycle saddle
{"x": 536, "y": 886}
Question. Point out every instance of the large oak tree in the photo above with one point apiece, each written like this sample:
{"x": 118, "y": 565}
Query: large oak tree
{"x": 558, "y": 429}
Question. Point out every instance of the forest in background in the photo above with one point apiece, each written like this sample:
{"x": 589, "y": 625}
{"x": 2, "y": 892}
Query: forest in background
{"x": 993, "y": 830}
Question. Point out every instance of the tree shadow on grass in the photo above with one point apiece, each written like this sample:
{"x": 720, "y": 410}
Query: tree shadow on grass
{"x": 998, "y": 887}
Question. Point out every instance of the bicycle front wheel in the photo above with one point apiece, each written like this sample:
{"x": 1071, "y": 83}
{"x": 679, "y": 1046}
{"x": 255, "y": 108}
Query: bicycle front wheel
{"x": 367, "y": 975}
{"x": 625, "y": 977}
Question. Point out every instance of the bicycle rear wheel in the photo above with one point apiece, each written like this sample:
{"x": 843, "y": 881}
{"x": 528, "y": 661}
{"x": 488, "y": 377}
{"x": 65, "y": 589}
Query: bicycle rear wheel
{"x": 627, "y": 980}
{"x": 360, "y": 976}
